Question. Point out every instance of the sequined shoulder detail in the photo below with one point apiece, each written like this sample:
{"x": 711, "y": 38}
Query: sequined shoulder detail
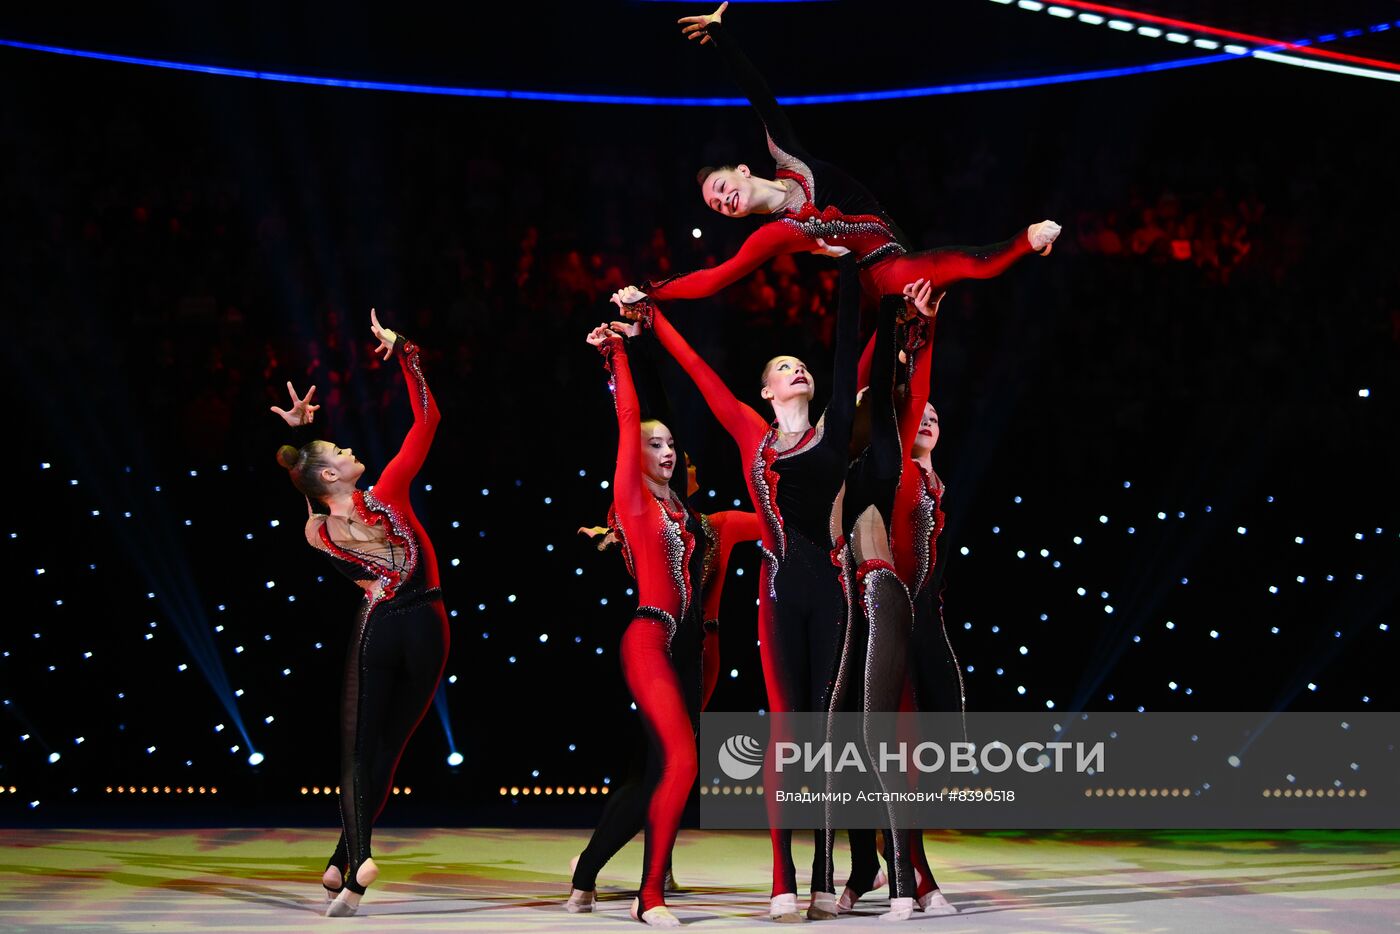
{"x": 790, "y": 166}
{"x": 391, "y": 556}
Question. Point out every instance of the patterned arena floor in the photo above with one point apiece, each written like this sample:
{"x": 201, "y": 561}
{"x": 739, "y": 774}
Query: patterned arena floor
{"x": 516, "y": 880}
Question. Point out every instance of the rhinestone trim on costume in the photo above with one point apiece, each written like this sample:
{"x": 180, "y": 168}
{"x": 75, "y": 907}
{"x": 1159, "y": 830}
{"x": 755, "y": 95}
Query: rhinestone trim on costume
{"x": 373, "y": 512}
{"x": 413, "y": 357}
{"x": 928, "y": 525}
{"x": 878, "y": 567}
{"x": 607, "y": 349}
{"x": 390, "y": 576}
{"x": 711, "y": 557}
{"x": 655, "y": 614}
{"x": 878, "y": 255}
{"x": 789, "y": 166}
{"x": 915, "y": 336}
{"x": 680, "y": 544}
{"x": 770, "y": 570}
{"x": 765, "y": 489}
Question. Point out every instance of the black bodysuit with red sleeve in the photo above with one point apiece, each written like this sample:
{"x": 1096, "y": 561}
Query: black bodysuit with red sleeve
{"x": 794, "y": 492}
{"x": 827, "y": 204}
{"x": 399, "y": 642}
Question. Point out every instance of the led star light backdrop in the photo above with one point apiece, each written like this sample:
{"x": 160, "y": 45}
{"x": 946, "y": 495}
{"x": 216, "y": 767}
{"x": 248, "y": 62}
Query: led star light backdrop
{"x": 1169, "y": 446}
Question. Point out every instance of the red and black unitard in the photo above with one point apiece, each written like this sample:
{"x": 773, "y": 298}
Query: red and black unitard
{"x": 624, "y": 816}
{"x": 659, "y": 547}
{"x": 694, "y": 649}
{"x": 716, "y": 533}
{"x": 871, "y": 672}
{"x": 794, "y": 492}
{"x": 934, "y": 674}
{"x": 398, "y": 646}
{"x": 825, "y": 203}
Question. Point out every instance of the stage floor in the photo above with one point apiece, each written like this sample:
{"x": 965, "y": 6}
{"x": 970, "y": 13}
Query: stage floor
{"x": 516, "y": 880}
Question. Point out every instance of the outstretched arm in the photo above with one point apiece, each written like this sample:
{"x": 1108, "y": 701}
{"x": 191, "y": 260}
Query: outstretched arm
{"x": 629, "y": 494}
{"x": 918, "y": 347}
{"x": 731, "y": 527}
{"x": 841, "y": 409}
{"x": 885, "y": 450}
{"x": 399, "y": 473}
{"x": 711, "y": 31}
{"x": 745, "y": 425}
{"x": 652, "y": 400}
{"x": 772, "y": 239}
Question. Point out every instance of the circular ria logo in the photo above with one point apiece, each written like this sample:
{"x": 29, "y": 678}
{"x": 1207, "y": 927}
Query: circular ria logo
{"x": 741, "y": 757}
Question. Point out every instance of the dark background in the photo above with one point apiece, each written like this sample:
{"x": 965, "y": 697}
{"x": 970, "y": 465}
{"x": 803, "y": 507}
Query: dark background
{"x": 174, "y": 247}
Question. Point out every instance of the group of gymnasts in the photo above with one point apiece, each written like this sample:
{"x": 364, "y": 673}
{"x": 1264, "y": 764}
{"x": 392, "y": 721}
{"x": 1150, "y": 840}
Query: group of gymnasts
{"x": 846, "y": 507}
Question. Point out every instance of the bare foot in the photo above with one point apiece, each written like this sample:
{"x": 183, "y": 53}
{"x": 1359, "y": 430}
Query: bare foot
{"x": 1042, "y": 236}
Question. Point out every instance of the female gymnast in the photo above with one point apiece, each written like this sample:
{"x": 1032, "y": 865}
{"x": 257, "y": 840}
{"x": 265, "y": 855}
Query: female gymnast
{"x": 652, "y": 522}
{"x": 871, "y": 670}
{"x": 715, "y": 534}
{"x": 818, "y": 208}
{"x": 934, "y": 672}
{"x": 795, "y": 471}
{"x": 398, "y": 645}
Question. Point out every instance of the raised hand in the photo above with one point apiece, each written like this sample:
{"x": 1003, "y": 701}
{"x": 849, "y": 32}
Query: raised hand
{"x": 693, "y": 27}
{"x": 387, "y": 338}
{"x": 919, "y": 293}
{"x": 302, "y": 411}
{"x": 825, "y": 249}
{"x": 593, "y": 531}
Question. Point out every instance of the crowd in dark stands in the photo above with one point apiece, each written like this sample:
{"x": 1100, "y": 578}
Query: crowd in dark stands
{"x": 216, "y": 275}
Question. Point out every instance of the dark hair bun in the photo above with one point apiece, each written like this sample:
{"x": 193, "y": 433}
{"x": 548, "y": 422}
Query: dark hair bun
{"x": 288, "y": 456}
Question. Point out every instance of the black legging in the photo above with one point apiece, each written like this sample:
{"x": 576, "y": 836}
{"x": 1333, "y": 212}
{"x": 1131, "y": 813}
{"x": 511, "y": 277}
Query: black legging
{"x": 871, "y": 679}
{"x": 800, "y": 636}
{"x": 938, "y": 688}
{"x": 624, "y": 816}
{"x": 874, "y": 654}
{"x": 395, "y": 659}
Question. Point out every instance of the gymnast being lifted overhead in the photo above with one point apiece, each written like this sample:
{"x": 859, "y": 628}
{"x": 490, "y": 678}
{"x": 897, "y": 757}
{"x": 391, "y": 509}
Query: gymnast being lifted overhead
{"x": 817, "y": 208}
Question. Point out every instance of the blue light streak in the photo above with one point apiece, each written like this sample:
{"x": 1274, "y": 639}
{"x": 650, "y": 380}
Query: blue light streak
{"x": 969, "y": 87}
